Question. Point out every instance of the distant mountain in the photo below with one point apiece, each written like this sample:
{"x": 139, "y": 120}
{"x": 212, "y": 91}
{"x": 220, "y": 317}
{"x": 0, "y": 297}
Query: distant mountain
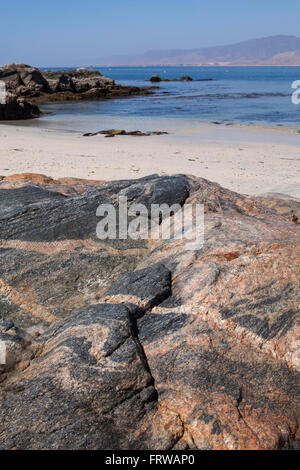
{"x": 274, "y": 50}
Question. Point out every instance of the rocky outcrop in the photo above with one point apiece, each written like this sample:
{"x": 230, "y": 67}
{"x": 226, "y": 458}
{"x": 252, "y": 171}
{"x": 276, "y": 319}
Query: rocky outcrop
{"x": 146, "y": 344}
{"x": 17, "y": 108}
{"x": 26, "y": 85}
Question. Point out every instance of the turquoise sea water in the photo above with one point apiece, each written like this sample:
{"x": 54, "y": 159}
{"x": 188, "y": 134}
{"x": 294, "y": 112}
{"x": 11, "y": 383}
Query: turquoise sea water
{"x": 248, "y": 95}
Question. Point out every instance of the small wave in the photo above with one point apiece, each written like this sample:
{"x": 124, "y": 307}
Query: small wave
{"x": 231, "y": 96}
{"x": 258, "y": 95}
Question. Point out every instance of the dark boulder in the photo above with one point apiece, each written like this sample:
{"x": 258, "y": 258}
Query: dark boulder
{"x": 185, "y": 78}
{"x": 17, "y": 108}
{"x": 155, "y": 79}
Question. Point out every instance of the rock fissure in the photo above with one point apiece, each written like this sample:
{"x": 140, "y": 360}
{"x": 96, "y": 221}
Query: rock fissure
{"x": 139, "y": 348}
{"x": 241, "y": 416}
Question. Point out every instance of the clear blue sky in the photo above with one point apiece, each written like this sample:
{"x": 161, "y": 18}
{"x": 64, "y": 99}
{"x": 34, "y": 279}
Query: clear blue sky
{"x": 67, "y": 32}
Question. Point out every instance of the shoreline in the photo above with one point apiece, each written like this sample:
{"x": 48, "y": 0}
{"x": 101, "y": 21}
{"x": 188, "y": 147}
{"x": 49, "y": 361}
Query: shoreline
{"x": 247, "y": 161}
{"x": 43, "y": 122}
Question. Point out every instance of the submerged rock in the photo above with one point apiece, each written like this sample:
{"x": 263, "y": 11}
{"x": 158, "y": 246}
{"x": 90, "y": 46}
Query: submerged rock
{"x": 146, "y": 344}
{"x": 184, "y": 78}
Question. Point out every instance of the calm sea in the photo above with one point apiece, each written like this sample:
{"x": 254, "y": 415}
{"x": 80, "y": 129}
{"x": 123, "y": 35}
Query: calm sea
{"x": 255, "y": 95}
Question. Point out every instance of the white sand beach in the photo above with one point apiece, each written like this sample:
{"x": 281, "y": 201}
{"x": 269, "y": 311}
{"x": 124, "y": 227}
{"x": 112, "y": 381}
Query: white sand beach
{"x": 246, "y": 160}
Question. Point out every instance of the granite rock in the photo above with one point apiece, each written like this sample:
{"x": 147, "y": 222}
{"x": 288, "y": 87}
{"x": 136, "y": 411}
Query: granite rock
{"x": 146, "y": 344}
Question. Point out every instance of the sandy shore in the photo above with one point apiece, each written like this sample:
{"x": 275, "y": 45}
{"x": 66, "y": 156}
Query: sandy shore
{"x": 249, "y": 161}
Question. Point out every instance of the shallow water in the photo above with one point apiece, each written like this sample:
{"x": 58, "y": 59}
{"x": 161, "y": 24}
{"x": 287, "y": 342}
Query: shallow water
{"x": 247, "y": 95}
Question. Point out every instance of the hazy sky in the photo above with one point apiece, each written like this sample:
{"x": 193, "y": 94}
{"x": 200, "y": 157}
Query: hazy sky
{"x": 68, "y": 32}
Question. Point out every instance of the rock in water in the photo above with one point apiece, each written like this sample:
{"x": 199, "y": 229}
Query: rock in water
{"x": 155, "y": 79}
{"x": 26, "y": 85}
{"x": 147, "y": 344}
{"x": 185, "y": 78}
